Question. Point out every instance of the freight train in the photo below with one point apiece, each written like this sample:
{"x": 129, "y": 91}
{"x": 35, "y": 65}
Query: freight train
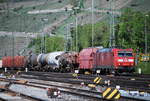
{"x": 95, "y": 60}
{"x": 54, "y": 61}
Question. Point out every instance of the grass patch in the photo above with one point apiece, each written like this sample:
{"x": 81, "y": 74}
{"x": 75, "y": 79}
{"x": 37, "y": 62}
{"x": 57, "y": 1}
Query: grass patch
{"x": 145, "y": 67}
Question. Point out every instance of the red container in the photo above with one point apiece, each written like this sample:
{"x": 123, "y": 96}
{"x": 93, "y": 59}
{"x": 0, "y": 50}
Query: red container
{"x": 13, "y": 62}
{"x": 86, "y": 58}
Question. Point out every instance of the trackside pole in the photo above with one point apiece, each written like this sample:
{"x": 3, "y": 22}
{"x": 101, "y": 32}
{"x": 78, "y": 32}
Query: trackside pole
{"x": 26, "y": 69}
{"x": 98, "y": 72}
{"x": 139, "y": 70}
{"x": 5, "y": 70}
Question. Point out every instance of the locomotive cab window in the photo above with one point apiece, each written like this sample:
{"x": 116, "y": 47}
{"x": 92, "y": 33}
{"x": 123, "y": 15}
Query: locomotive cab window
{"x": 127, "y": 54}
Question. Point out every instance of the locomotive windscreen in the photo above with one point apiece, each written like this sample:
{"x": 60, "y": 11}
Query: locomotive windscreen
{"x": 126, "y": 54}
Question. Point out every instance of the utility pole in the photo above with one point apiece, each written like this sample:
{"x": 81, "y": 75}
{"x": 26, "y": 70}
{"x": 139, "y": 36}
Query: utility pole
{"x": 66, "y": 38}
{"x": 43, "y": 39}
{"x": 112, "y": 24}
{"x": 92, "y": 22}
{"x": 7, "y": 4}
{"x": 43, "y": 35}
{"x": 13, "y": 47}
{"x": 76, "y": 34}
{"x": 146, "y": 38}
{"x": 146, "y": 34}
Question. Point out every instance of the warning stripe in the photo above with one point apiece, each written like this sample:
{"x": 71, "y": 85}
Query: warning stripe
{"x": 118, "y": 96}
{"x": 91, "y": 85}
{"x": 112, "y": 94}
{"x": 106, "y": 92}
{"x": 97, "y": 80}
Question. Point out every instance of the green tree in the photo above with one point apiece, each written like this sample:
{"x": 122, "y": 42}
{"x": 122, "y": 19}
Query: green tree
{"x": 131, "y": 30}
{"x": 84, "y": 40}
{"x": 54, "y": 43}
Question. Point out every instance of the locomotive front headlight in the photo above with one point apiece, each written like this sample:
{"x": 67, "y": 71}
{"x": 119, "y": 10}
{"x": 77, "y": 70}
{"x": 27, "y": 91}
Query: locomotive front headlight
{"x": 120, "y": 60}
{"x": 130, "y": 60}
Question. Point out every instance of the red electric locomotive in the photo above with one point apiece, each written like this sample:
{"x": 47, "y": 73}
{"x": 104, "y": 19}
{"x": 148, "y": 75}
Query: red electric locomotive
{"x": 107, "y": 60}
{"x": 113, "y": 59}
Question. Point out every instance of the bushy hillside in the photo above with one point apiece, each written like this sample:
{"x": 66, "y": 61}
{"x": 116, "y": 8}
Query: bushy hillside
{"x": 6, "y": 47}
{"x": 17, "y": 19}
{"x": 140, "y": 5}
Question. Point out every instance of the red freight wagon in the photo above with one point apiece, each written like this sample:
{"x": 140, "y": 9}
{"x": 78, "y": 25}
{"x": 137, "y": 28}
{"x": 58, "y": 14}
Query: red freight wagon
{"x": 113, "y": 59}
{"x": 86, "y": 58}
{"x": 13, "y": 62}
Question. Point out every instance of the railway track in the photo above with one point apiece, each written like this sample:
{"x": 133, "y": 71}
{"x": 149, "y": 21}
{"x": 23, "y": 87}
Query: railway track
{"x": 70, "y": 90}
{"x": 128, "y": 83}
{"x": 124, "y": 85}
{"x": 88, "y": 94}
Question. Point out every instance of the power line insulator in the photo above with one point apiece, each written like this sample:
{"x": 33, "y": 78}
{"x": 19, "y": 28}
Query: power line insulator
{"x": 59, "y": 1}
{"x": 66, "y": 9}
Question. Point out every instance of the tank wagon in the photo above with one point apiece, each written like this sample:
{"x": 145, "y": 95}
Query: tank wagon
{"x": 49, "y": 62}
{"x": 31, "y": 61}
{"x": 69, "y": 61}
{"x": 57, "y": 61}
{"x": 107, "y": 60}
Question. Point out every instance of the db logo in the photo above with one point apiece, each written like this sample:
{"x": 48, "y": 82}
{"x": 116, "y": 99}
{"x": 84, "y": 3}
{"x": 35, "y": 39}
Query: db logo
{"x": 125, "y": 60}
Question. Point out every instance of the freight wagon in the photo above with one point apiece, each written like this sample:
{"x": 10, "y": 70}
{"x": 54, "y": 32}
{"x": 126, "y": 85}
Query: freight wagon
{"x": 16, "y": 62}
{"x": 86, "y": 59}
